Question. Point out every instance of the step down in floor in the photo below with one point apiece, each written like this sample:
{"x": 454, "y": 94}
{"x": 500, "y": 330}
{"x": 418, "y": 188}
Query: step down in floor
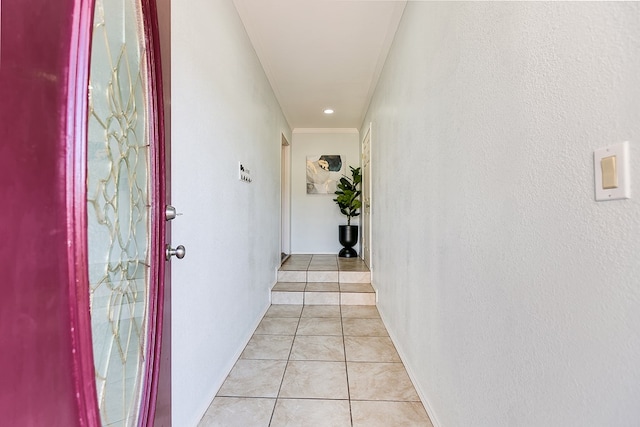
{"x": 323, "y": 280}
{"x": 323, "y": 293}
{"x": 324, "y": 276}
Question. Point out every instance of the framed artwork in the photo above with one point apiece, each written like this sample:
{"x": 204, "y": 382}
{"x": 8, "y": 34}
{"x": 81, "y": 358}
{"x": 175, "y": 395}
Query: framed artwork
{"x": 323, "y": 173}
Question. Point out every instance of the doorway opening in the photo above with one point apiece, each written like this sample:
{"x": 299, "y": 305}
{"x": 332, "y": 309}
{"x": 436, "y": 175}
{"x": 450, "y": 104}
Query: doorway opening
{"x": 285, "y": 200}
{"x": 366, "y": 198}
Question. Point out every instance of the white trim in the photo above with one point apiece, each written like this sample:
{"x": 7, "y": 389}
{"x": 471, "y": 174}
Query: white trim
{"x": 370, "y": 187}
{"x": 412, "y": 376}
{"x": 314, "y": 253}
{"x": 325, "y": 130}
{"x": 390, "y": 35}
{"x": 234, "y": 359}
{"x": 285, "y": 195}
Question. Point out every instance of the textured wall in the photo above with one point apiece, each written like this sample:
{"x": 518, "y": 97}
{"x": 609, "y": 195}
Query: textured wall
{"x": 224, "y": 111}
{"x": 512, "y": 295}
{"x": 315, "y": 217}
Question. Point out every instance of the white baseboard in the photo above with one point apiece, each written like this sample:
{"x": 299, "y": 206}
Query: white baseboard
{"x": 234, "y": 359}
{"x": 412, "y": 376}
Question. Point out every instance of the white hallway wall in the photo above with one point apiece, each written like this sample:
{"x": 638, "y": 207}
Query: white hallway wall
{"x": 224, "y": 111}
{"x": 513, "y": 296}
{"x": 315, "y": 217}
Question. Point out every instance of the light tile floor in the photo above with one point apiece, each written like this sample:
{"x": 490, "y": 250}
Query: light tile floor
{"x": 318, "y": 366}
{"x": 316, "y": 262}
{"x": 323, "y": 280}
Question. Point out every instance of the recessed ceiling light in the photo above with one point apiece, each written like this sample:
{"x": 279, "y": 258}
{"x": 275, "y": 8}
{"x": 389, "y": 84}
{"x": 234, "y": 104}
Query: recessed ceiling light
{"x": 328, "y": 111}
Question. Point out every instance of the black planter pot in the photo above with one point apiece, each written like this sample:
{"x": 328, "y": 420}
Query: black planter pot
{"x": 348, "y": 235}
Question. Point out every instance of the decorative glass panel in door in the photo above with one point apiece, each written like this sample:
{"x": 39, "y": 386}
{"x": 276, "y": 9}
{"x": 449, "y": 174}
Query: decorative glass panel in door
{"x": 119, "y": 189}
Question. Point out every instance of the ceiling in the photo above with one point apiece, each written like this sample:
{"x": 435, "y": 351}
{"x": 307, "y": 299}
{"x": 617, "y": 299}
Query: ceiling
{"x": 320, "y": 54}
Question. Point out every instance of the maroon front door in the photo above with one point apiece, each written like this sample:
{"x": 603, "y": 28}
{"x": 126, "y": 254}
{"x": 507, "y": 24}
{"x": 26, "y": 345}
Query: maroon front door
{"x": 47, "y": 370}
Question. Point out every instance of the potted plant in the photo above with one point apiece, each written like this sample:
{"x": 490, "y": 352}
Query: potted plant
{"x": 348, "y": 200}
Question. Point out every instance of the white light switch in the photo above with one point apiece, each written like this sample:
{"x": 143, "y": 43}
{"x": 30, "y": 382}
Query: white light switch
{"x": 611, "y": 172}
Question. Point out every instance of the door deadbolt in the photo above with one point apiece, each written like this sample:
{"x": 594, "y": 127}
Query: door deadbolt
{"x": 170, "y": 213}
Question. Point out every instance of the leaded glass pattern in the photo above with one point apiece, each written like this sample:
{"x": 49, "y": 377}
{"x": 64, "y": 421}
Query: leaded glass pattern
{"x": 118, "y": 208}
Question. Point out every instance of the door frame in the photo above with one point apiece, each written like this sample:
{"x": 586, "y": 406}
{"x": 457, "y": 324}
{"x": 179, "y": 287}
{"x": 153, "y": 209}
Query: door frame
{"x": 76, "y": 191}
{"x": 158, "y": 225}
{"x": 285, "y": 198}
{"x": 366, "y": 183}
{"x": 160, "y": 280}
{"x": 160, "y": 414}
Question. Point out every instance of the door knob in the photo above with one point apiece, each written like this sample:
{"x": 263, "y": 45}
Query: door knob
{"x": 179, "y": 252}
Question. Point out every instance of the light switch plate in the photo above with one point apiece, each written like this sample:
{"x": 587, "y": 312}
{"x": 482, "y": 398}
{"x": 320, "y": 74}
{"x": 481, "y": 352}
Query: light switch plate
{"x": 621, "y": 152}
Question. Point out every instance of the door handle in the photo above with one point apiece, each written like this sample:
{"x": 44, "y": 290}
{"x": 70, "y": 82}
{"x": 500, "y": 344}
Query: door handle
{"x": 179, "y": 252}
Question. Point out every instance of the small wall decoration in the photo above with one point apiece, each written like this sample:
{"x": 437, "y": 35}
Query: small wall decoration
{"x": 323, "y": 173}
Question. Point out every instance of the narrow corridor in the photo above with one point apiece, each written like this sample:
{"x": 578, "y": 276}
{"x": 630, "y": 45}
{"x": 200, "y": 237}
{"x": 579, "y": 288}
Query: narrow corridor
{"x": 318, "y": 365}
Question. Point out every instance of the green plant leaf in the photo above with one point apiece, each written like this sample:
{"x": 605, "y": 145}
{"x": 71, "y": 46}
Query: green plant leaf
{"x": 347, "y": 194}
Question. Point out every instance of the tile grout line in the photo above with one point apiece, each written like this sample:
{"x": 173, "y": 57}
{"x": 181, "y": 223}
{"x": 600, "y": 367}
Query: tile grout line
{"x": 338, "y": 269}
{"x": 285, "y": 367}
{"x": 346, "y": 370}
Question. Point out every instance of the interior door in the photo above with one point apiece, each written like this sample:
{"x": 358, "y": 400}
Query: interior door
{"x": 127, "y": 217}
{"x": 366, "y": 198}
